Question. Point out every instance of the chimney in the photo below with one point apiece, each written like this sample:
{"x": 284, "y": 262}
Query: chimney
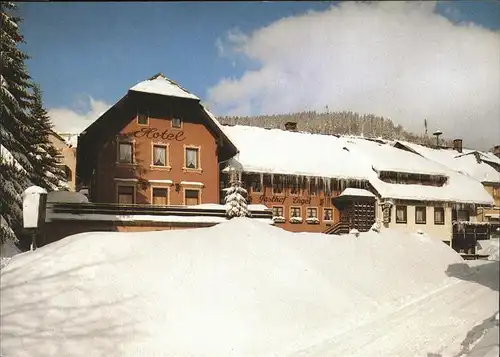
{"x": 457, "y": 145}
{"x": 291, "y": 126}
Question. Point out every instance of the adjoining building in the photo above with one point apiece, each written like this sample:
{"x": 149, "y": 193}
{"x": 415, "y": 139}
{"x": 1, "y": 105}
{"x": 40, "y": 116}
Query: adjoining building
{"x": 303, "y": 177}
{"x": 66, "y": 158}
{"x": 480, "y": 165}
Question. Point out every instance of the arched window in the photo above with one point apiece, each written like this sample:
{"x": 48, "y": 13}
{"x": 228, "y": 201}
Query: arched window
{"x": 68, "y": 173}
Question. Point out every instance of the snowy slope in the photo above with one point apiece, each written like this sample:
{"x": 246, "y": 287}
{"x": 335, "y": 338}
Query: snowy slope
{"x": 241, "y": 288}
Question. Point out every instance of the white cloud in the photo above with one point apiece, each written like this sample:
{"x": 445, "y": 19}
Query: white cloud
{"x": 400, "y": 60}
{"x": 68, "y": 120}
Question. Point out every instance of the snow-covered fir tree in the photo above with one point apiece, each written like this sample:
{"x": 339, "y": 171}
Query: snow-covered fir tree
{"x": 43, "y": 156}
{"x": 16, "y": 125}
{"x": 12, "y": 182}
{"x": 235, "y": 200}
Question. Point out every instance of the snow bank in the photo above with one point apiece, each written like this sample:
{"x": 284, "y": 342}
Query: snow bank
{"x": 7, "y": 250}
{"x": 489, "y": 247}
{"x": 241, "y": 288}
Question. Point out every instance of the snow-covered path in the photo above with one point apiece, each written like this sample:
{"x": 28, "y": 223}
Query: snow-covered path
{"x": 434, "y": 325}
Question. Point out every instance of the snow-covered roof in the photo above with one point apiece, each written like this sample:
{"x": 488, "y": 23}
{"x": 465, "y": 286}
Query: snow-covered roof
{"x": 285, "y": 152}
{"x": 71, "y": 139}
{"x": 159, "y": 84}
{"x": 296, "y": 153}
{"x": 67, "y": 197}
{"x": 356, "y": 192}
{"x": 458, "y": 188}
{"x": 464, "y": 162}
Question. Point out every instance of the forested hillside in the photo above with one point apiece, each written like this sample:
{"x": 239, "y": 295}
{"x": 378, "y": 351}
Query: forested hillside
{"x": 345, "y": 123}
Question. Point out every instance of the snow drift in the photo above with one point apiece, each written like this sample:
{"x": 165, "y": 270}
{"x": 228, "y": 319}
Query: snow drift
{"x": 241, "y": 288}
{"x": 489, "y": 247}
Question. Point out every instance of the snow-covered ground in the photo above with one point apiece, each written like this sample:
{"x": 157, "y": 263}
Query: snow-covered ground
{"x": 243, "y": 288}
{"x": 490, "y": 247}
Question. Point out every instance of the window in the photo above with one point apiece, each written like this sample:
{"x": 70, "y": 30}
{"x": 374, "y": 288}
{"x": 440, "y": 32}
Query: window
{"x": 142, "y": 116}
{"x": 255, "y": 183}
{"x": 295, "y": 212}
{"x": 160, "y": 196}
{"x": 192, "y": 197}
{"x": 463, "y": 215}
{"x": 420, "y": 215}
{"x": 312, "y": 212}
{"x": 438, "y": 215}
{"x": 295, "y": 186}
{"x": 176, "y": 123}
{"x": 126, "y": 194}
{"x": 68, "y": 173}
{"x": 125, "y": 153}
{"x": 278, "y": 211}
{"x": 313, "y": 187}
{"x": 401, "y": 214}
{"x": 192, "y": 158}
{"x": 277, "y": 184}
{"x": 159, "y": 155}
{"x": 328, "y": 214}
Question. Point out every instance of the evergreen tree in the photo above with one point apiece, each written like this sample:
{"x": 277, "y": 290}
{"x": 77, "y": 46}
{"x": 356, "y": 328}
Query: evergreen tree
{"x": 236, "y": 203}
{"x": 16, "y": 126}
{"x": 46, "y": 173}
{"x": 12, "y": 183}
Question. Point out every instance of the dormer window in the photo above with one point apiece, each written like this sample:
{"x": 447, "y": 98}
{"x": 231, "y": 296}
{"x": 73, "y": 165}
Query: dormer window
{"x": 142, "y": 116}
{"x": 176, "y": 123}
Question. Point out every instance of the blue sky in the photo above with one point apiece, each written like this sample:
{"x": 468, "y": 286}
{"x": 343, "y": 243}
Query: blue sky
{"x": 89, "y": 49}
{"x": 101, "y": 49}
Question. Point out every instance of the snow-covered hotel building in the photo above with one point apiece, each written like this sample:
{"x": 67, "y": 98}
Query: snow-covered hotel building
{"x": 158, "y": 145}
{"x": 305, "y": 174}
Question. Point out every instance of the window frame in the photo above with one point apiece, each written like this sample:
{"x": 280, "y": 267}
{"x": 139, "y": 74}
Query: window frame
{"x": 463, "y": 210}
{"x": 279, "y": 207}
{"x": 323, "y": 216}
{"x": 124, "y": 141}
{"x": 139, "y": 113}
{"x": 418, "y": 208}
{"x": 282, "y": 182}
{"x": 311, "y": 192}
{"x": 295, "y": 207}
{"x": 258, "y": 180}
{"x": 134, "y": 190}
{"x": 295, "y": 181}
{"x": 444, "y": 219}
{"x": 405, "y": 221}
{"x": 176, "y": 127}
{"x": 198, "y": 158}
{"x": 311, "y": 208}
{"x": 184, "y": 189}
{"x": 167, "y": 156}
{"x": 164, "y": 187}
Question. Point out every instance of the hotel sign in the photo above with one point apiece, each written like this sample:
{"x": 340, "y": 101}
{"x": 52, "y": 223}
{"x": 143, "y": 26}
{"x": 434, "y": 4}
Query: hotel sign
{"x": 153, "y": 133}
{"x": 281, "y": 200}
